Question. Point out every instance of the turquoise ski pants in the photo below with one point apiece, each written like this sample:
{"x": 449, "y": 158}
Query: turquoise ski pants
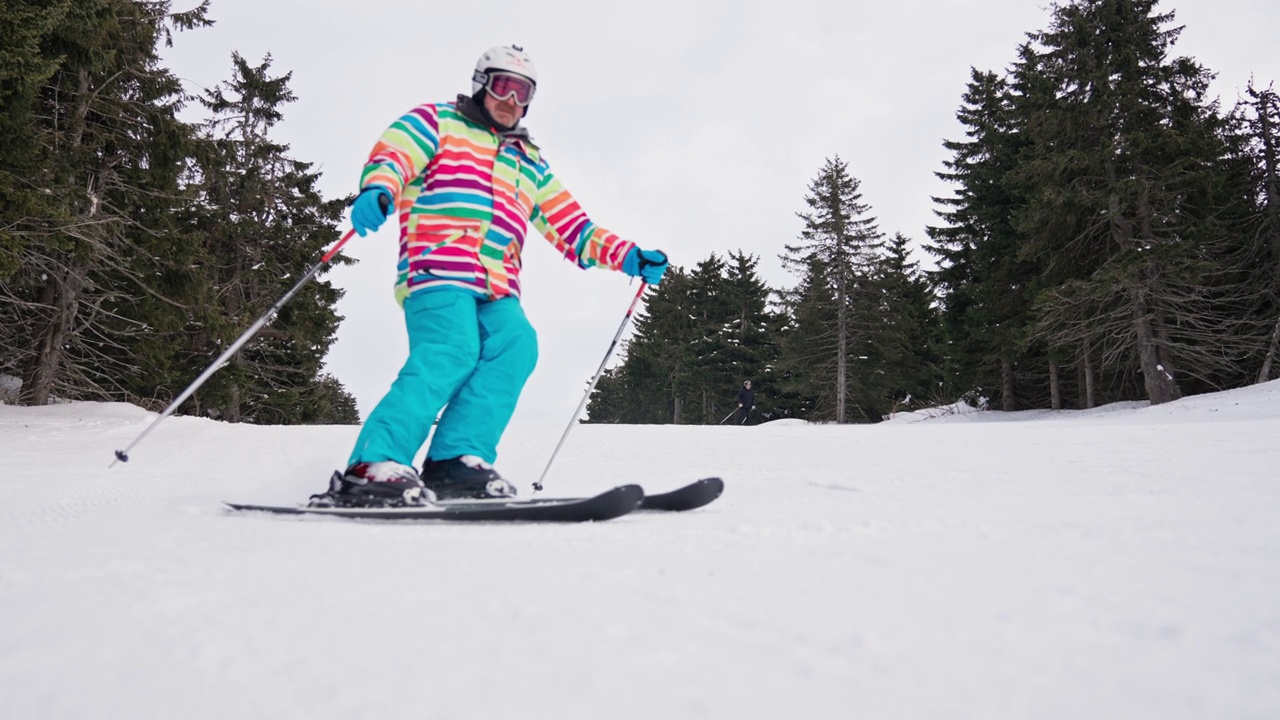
{"x": 467, "y": 354}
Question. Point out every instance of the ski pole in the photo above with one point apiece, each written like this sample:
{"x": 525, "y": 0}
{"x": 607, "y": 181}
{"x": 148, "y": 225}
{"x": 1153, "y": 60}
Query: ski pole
{"x": 726, "y": 417}
{"x": 123, "y": 455}
{"x": 625, "y": 319}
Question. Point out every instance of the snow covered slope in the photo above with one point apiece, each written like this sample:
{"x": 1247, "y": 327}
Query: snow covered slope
{"x": 1116, "y": 563}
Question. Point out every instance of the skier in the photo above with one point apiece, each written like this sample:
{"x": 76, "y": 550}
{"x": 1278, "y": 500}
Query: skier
{"x": 466, "y": 181}
{"x": 746, "y": 401}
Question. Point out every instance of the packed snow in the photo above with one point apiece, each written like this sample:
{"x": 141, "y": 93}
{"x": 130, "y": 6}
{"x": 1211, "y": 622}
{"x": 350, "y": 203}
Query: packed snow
{"x": 1122, "y": 562}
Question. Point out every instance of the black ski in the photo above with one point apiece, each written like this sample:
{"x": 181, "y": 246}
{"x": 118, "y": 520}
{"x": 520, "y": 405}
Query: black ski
{"x": 688, "y": 497}
{"x": 607, "y": 505}
{"x": 694, "y": 495}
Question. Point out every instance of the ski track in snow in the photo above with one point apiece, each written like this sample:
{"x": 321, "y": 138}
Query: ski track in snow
{"x": 1122, "y": 562}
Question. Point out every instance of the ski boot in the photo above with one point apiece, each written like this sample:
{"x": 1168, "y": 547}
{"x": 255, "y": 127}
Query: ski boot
{"x": 465, "y": 477}
{"x": 378, "y": 484}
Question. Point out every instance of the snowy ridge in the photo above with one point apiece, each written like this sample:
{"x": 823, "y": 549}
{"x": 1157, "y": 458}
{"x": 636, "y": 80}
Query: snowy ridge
{"x": 1121, "y": 562}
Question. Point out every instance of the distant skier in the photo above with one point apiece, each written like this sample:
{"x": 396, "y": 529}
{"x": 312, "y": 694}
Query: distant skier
{"x": 466, "y": 182}
{"x": 746, "y": 401}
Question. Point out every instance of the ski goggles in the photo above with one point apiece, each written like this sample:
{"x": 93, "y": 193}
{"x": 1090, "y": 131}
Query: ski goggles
{"x": 505, "y": 86}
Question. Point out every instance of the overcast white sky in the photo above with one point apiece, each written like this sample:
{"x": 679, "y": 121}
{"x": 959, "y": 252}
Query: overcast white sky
{"x": 691, "y": 126}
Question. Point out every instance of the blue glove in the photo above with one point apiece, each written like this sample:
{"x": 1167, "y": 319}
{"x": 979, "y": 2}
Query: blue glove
{"x": 370, "y": 210}
{"x": 648, "y": 265}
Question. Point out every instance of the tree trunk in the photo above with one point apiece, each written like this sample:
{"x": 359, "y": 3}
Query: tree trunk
{"x": 1055, "y": 392}
{"x": 1086, "y": 368}
{"x": 232, "y": 413}
{"x": 1264, "y": 374}
{"x": 1007, "y": 401}
{"x": 1163, "y": 343}
{"x": 64, "y": 281}
{"x": 60, "y": 298}
{"x": 1156, "y": 376}
{"x": 1265, "y": 101}
{"x": 1157, "y": 372}
{"x": 842, "y": 362}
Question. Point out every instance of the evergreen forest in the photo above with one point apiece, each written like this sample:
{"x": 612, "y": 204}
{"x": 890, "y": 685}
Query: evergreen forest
{"x": 1113, "y": 233}
{"x": 134, "y": 245}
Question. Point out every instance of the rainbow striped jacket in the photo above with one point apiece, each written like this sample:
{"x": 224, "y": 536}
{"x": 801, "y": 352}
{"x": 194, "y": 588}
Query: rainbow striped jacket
{"x": 465, "y": 197}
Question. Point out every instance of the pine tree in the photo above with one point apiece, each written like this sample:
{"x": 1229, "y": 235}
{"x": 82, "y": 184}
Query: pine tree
{"x": 1258, "y": 131}
{"x": 710, "y": 344}
{"x": 750, "y": 332}
{"x": 260, "y": 221}
{"x": 809, "y": 351}
{"x": 95, "y": 189}
{"x": 1124, "y": 156}
{"x": 986, "y": 285}
{"x": 608, "y": 402}
{"x": 26, "y": 66}
{"x": 907, "y": 353}
{"x": 835, "y": 257}
{"x": 696, "y": 336}
{"x": 658, "y": 362}
{"x": 729, "y": 309}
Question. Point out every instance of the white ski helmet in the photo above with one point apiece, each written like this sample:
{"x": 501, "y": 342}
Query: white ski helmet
{"x": 504, "y": 58}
